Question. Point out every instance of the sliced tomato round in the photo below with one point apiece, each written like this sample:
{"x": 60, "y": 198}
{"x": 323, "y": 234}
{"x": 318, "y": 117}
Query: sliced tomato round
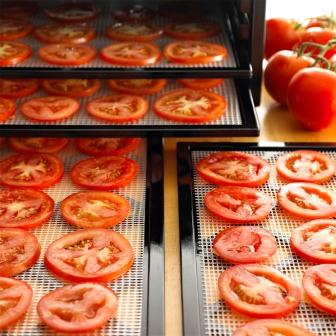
{"x": 7, "y": 108}
{"x": 244, "y": 244}
{"x": 192, "y": 30}
{"x": 106, "y": 146}
{"x": 37, "y": 145}
{"x": 118, "y": 108}
{"x": 95, "y": 209}
{"x": 201, "y": 83}
{"x": 16, "y": 297}
{"x": 137, "y": 86}
{"x": 258, "y": 291}
{"x": 11, "y": 29}
{"x": 185, "y": 105}
{"x": 17, "y": 9}
{"x": 307, "y": 200}
{"x": 194, "y": 52}
{"x": 31, "y": 170}
{"x": 19, "y": 250}
{"x": 234, "y": 169}
{"x": 12, "y": 52}
{"x": 71, "y": 87}
{"x": 269, "y": 327}
{"x": 131, "y": 53}
{"x": 238, "y": 204}
{"x": 135, "y": 13}
{"x": 104, "y": 173}
{"x": 306, "y": 166}
{"x": 13, "y": 88}
{"x": 319, "y": 283}
{"x": 84, "y": 307}
{"x": 60, "y": 33}
{"x": 315, "y": 241}
{"x": 50, "y": 108}
{"x": 98, "y": 255}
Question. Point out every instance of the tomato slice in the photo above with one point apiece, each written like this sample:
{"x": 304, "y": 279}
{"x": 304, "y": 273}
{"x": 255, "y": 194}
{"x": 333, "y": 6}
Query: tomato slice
{"x": 12, "y": 53}
{"x": 104, "y": 173}
{"x": 50, "y": 108}
{"x": 306, "y": 166}
{"x": 185, "y": 105}
{"x": 106, "y": 146}
{"x": 319, "y": 283}
{"x": 71, "y": 87}
{"x": 234, "y": 168}
{"x": 60, "y": 33}
{"x": 19, "y": 9}
{"x": 16, "y": 88}
{"x": 137, "y": 86}
{"x": 95, "y": 209}
{"x": 131, "y": 53}
{"x": 135, "y": 13}
{"x": 201, "y": 83}
{"x": 258, "y": 291}
{"x": 99, "y": 255}
{"x": 307, "y": 200}
{"x": 194, "y": 52}
{"x": 16, "y": 297}
{"x": 11, "y": 29}
{"x": 244, "y": 244}
{"x": 7, "y": 109}
{"x": 19, "y": 250}
{"x": 192, "y": 30}
{"x": 31, "y": 170}
{"x": 38, "y": 145}
{"x": 78, "y": 308}
{"x": 118, "y": 108}
{"x": 269, "y": 327}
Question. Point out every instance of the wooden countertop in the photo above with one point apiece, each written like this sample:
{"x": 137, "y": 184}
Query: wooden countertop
{"x": 276, "y": 124}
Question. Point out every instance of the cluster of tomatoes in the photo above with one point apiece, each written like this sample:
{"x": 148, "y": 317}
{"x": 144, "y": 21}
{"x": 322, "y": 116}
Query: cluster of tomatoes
{"x": 85, "y": 257}
{"x": 260, "y": 291}
{"x": 301, "y": 68}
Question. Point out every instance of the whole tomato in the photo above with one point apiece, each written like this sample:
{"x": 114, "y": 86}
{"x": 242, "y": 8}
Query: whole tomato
{"x": 280, "y": 69}
{"x": 312, "y": 97}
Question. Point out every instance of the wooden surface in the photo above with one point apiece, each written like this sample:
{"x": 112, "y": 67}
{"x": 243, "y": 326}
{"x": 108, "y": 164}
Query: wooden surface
{"x": 276, "y": 125}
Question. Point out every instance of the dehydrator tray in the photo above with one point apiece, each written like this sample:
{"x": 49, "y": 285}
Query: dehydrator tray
{"x": 141, "y": 290}
{"x": 204, "y": 313}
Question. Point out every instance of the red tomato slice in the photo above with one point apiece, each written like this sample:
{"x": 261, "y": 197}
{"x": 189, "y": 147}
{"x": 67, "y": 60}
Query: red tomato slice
{"x": 95, "y": 209}
{"x": 118, "y": 108}
{"x": 80, "y": 308}
{"x": 314, "y": 241}
{"x": 131, "y": 53}
{"x": 245, "y": 244}
{"x": 60, "y": 33}
{"x": 99, "y": 255}
{"x": 19, "y": 250}
{"x": 71, "y": 87}
{"x": 18, "y": 9}
{"x": 194, "y": 52}
{"x": 192, "y": 30}
{"x": 258, "y": 291}
{"x": 238, "y": 204}
{"x": 12, "y": 53}
{"x": 11, "y": 29}
{"x": 137, "y": 86}
{"x": 7, "y": 108}
{"x": 201, "y": 83}
{"x": 135, "y": 13}
{"x": 31, "y": 170}
{"x": 234, "y": 168}
{"x": 307, "y": 200}
{"x": 105, "y": 173}
{"x": 106, "y": 146}
{"x": 319, "y": 285}
{"x": 133, "y": 31}
{"x": 185, "y": 105}
{"x": 306, "y": 166}
{"x": 24, "y": 208}
{"x": 16, "y": 88}
{"x": 16, "y": 297}
{"x": 38, "y": 145}
{"x": 67, "y": 54}
{"x": 269, "y": 327}
{"x": 50, "y": 108}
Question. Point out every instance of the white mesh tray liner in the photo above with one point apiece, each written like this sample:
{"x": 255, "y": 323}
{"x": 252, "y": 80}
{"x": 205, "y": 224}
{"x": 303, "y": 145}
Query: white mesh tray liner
{"x": 219, "y": 319}
{"x": 129, "y": 288}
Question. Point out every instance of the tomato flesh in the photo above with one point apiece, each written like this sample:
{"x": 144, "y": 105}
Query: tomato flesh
{"x": 137, "y": 86}
{"x": 192, "y": 30}
{"x": 201, "y": 83}
{"x": 12, "y": 53}
{"x": 14, "y": 29}
{"x": 38, "y": 145}
{"x": 7, "y": 109}
{"x": 135, "y": 13}
{"x": 16, "y": 88}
